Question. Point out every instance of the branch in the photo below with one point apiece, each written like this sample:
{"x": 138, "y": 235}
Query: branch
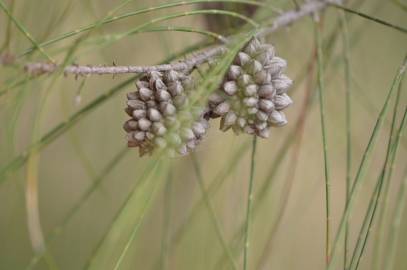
{"x": 281, "y": 21}
{"x": 42, "y": 68}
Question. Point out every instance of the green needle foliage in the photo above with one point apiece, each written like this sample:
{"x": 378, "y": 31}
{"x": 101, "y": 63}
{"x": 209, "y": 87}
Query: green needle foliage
{"x": 114, "y": 246}
{"x": 364, "y": 163}
{"x": 395, "y": 230}
{"x": 249, "y": 207}
{"x": 348, "y": 112}
{"x": 212, "y": 211}
{"x": 321, "y": 89}
{"x": 327, "y": 191}
{"x": 384, "y": 178}
{"x": 21, "y": 27}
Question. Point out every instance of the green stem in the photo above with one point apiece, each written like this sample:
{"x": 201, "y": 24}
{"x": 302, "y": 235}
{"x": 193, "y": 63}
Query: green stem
{"x": 382, "y": 210}
{"x": 321, "y": 89}
{"x": 395, "y": 226}
{"x": 22, "y": 29}
{"x": 57, "y": 230}
{"x": 7, "y": 39}
{"x": 388, "y": 169}
{"x": 346, "y": 58}
{"x": 369, "y": 17}
{"x": 146, "y": 205}
{"x": 138, "y": 12}
{"x": 249, "y": 206}
{"x": 106, "y": 38}
{"x": 386, "y": 174}
{"x": 185, "y": 14}
{"x": 166, "y": 219}
{"x": 211, "y": 211}
{"x": 359, "y": 179}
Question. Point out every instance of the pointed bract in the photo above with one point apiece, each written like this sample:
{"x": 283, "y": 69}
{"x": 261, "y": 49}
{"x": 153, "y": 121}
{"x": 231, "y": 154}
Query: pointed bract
{"x": 161, "y": 116}
{"x": 252, "y": 95}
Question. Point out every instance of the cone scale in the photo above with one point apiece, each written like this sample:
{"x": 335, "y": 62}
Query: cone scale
{"x": 161, "y": 117}
{"x": 253, "y": 94}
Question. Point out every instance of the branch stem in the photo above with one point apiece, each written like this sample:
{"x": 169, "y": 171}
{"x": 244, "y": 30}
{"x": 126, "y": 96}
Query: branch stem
{"x": 283, "y": 20}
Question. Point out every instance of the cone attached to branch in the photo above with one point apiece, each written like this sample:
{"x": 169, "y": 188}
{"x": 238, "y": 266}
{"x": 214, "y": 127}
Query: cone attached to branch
{"x": 254, "y": 92}
{"x": 161, "y": 117}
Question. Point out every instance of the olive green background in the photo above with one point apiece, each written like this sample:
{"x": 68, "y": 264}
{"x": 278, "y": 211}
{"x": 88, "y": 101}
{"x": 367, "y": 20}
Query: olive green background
{"x": 69, "y": 164}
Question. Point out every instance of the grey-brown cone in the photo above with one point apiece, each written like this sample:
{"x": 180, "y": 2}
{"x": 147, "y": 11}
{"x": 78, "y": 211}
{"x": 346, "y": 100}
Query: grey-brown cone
{"x": 161, "y": 117}
{"x": 253, "y": 94}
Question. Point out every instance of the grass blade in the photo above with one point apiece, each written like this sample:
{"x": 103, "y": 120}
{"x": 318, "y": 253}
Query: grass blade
{"x": 396, "y": 225}
{"x": 321, "y": 90}
{"x": 364, "y": 164}
{"x": 135, "y": 228}
{"x": 142, "y": 11}
{"x": 7, "y": 40}
{"x": 371, "y": 18}
{"x": 111, "y": 250}
{"x": 249, "y": 206}
{"x": 294, "y": 160}
{"x": 386, "y": 185}
{"x": 211, "y": 211}
{"x": 22, "y": 29}
{"x": 167, "y": 208}
{"x": 78, "y": 205}
{"x": 267, "y": 186}
{"x": 214, "y": 186}
{"x": 385, "y": 176}
{"x": 348, "y": 129}
{"x": 140, "y": 27}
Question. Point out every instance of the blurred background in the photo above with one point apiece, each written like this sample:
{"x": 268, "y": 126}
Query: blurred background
{"x": 84, "y": 174}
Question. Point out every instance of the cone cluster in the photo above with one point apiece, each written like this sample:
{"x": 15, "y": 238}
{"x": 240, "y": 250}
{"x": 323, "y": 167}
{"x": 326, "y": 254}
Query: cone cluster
{"x": 251, "y": 100}
{"x": 253, "y": 95}
{"x": 161, "y": 116}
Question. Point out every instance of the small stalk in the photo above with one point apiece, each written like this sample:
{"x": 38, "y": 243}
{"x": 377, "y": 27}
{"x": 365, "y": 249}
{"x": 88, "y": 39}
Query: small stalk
{"x": 361, "y": 172}
{"x": 249, "y": 207}
{"x": 166, "y": 219}
{"x": 321, "y": 89}
{"x": 211, "y": 211}
{"x": 399, "y": 212}
{"x": 348, "y": 129}
{"x": 384, "y": 201}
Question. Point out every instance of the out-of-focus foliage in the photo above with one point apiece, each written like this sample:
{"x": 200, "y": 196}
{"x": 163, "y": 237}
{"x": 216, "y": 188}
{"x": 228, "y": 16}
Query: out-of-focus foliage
{"x": 85, "y": 175}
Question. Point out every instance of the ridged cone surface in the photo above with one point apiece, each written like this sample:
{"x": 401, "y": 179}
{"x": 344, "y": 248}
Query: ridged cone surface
{"x": 254, "y": 92}
{"x": 161, "y": 117}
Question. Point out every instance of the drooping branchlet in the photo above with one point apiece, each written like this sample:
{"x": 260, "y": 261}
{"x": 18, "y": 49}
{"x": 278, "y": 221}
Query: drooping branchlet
{"x": 253, "y": 94}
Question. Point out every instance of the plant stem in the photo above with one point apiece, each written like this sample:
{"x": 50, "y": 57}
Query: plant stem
{"x": 249, "y": 206}
{"x": 357, "y": 182}
{"x": 399, "y": 212}
{"x": 384, "y": 202}
{"x": 369, "y": 17}
{"x": 385, "y": 177}
{"x": 166, "y": 219}
{"x": 321, "y": 89}
{"x": 346, "y": 58}
{"x": 211, "y": 210}
{"x": 22, "y": 29}
{"x": 294, "y": 160}
{"x": 284, "y": 20}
